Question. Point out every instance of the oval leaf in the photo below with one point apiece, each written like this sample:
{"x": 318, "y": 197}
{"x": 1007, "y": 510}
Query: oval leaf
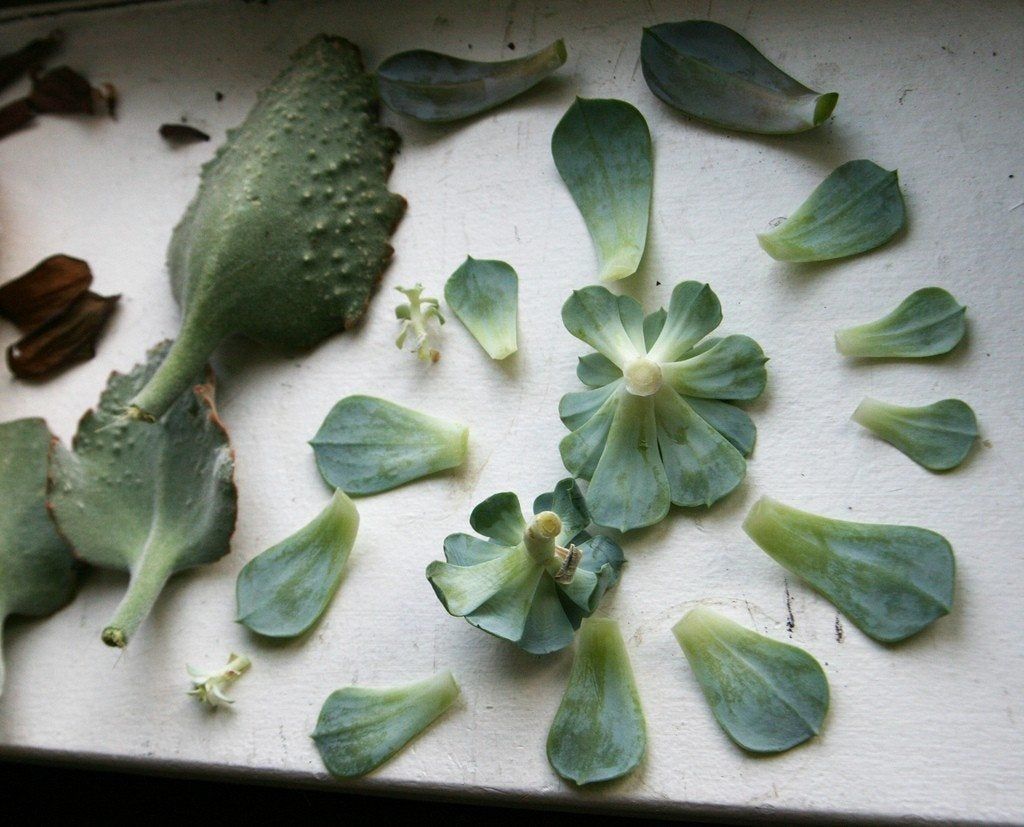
{"x": 937, "y": 436}
{"x": 484, "y": 295}
{"x": 927, "y": 323}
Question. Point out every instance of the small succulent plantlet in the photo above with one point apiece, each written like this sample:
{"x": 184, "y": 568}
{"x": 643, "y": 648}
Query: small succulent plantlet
{"x": 602, "y": 149}
{"x": 484, "y": 296}
{"x": 531, "y": 582}
{"x": 282, "y": 592}
{"x": 368, "y": 445}
{"x": 209, "y": 687}
{"x": 656, "y": 428}
{"x": 891, "y": 580}
{"x": 714, "y": 74}
{"x": 415, "y": 316}
{"x": 767, "y": 696}
{"x": 359, "y": 728}
{"x": 152, "y": 499}
{"x": 287, "y": 237}
{"x": 857, "y": 208}
{"x": 928, "y": 322}
{"x": 937, "y": 436}
{"x": 599, "y": 731}
{"x": 37, "y": 568}
{"x": 438, "y": 88}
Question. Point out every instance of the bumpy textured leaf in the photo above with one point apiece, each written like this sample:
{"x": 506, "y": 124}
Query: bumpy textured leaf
{"x": 151, "y": 499}
{"x": 37, "y": 574}
{"x": 283, "y": 591}
{"x": 937, "y": 436}
{"x": 599, "y": 731}
{"x": 429, "y": 86}
{"x": 484, "y": 295}
{"x": 288, "y": 235}
{"x": 359, "y": 729}
{"x": 768, "y": 696}
{"x": 714, "y": 74}
{"x": 890, "y": 580}
{"x": 368, "y": 445}
{"x": 602, "y": 149}
{"x": 857, "y": 208}
{"x": 926, "y": 323}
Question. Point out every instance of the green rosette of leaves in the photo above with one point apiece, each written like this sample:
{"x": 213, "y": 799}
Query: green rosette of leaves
{"x": 657, "y": 425}
{"x": 531, "y": 581}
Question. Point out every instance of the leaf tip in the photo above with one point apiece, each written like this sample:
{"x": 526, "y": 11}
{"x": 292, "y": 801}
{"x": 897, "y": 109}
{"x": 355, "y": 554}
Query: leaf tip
{"x": 824, "y": 107}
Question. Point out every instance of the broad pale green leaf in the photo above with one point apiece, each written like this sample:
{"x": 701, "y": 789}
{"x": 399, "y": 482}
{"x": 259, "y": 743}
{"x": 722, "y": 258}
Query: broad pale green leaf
{"x": 367, "y": 445}
{"x": 581, "y": 450}
{"x": 768, "y": 696}
{"x": 731, "y": 422}
{"x": 599, "y": 731}
{"x": 484, "y": 295}
{"x": 693, "y": 312}
{"x": 438, "y": 88}
{"x": 151, "y": 499}
{"x": 857, "y": 208}
{"x": 732, "y": 368}
{"x": 890, "y": 580}
{"x": 283, "y": 591}
{"x": 361, "y": 728}
{"x": 37, "y": 569}
{"x": 937, "y": 436}
{"x": 596, "y": 370}
{"x": 287, "y": 237}
{"x": 594, "y": 316}
{"x": 926, "y": 323}
{"x": 576, "y": 409}
{"x": 499, "y": 517}
{"x": 714, "y": 74}
{"x": 602, "y": 149}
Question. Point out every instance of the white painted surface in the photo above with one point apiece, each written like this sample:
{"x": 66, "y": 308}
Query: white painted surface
{"x": 931, "y": 728}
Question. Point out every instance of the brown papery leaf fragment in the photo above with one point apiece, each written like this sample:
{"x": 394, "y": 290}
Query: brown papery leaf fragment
{"x": 15, "y": 116}
{"x": 30, "y": 56}
{"x": 66, "y": 339}
{"x": 180, "y": 133}
{"x": 63, "y": 91}
{"x": 44, "y": 291}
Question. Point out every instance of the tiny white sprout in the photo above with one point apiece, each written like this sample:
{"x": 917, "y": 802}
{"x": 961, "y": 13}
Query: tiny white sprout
{"x": 209, "y": 687}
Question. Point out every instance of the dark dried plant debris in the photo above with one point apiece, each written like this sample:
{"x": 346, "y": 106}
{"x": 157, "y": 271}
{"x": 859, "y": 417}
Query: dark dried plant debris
{"x": 64, "y": 91}
{"x": 30, "y": 56}
{"x": 179, "y": 134}
{"x": 15, "y": 116}
{"x": 44, "y": 291}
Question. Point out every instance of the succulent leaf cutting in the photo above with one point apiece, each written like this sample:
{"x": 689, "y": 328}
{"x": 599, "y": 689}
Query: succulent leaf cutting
{"x": 415, "y": 316}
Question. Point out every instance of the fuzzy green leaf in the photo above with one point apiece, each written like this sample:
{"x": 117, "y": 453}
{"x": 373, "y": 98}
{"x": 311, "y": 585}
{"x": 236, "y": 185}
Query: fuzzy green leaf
{"x": 927, "y": 323}
{"x": 484, "y": 295}
{"x": 937, "y": 436}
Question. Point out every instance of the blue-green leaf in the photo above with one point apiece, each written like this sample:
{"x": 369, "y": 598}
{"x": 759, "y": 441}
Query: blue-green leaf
{"x": 594, "y": 315}
{"x": 731, "y": 422}
{"x": 499, "y": 517}
{"x": 596, "y": 370}
{"x": 937, "y": 436}
{"x": 732, "y": 368}
{"x": 570, "y": 506}
{"x": 484, "y": 296}
{"x": 926, "y": 323}
{"x": 693, "y": 312}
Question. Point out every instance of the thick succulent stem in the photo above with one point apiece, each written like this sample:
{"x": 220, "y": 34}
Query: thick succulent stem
{"x": 540, "y": 537}
{"x": 147, "y": 581}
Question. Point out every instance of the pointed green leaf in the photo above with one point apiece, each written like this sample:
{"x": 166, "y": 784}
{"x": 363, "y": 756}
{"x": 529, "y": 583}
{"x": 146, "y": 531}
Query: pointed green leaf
{"x": 890, "y": 580}
{"x": 593, "y": 315}
{"x": 693, "y": 312}
{"x": 484, "y": 296}
{"x": 732, "y": 368}
{"x": 283, "y": 591}
{"x": 367, "y": 445}
{"x": 599, "y": 731}
{"x": 937, "y": 436}
{"x": 576, "y": 409}
{"x": 360, "y": 728}
{"x": 499, "y": 517}
{"x": 581, "y": 450}
{"x": 857, "y": 208}
{"x": 768, "y": 696}
{"x": 926, "y": 323}
{"x": 596, "y": 370}
{"x": 602, "y": 149}
{"x": 438, "y": 88}
{"x": 714, "y": 74}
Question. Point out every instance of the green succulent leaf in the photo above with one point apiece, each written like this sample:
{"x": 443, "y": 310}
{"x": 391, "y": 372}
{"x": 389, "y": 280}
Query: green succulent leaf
{"x": 936, "y": 436}
{"x": 367, "y": 445}
{"x": 767, "y": 696}
{"x": 599, "y": 731}
{"x": 484, "y": 295}
{"x": 857, "y": 208}
{"x": 602, "y": 149}
{"x": 714, "y": 74}
{"x": 361, "y": 728}
{"x": 151, "y": 499}
{"x": 287, "y": 237}
{"x": 892, "y": 581}
{"x": 415, "y": 316}
{"x": 439, "y": 88}
{"x": 928, "y": 322}
{"x": 282, "y": 592}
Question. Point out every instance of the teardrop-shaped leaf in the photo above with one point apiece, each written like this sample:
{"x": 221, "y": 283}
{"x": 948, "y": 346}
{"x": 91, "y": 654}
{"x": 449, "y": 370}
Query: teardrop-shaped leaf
{"x": 283, "y": 591}
{"x": 359, "y": 728}
{"x": 37, "y": 569}
{"x": 890, "y": 580}
{"x": 484, "y": 296}
{"x": 714, "y": 74}
{"x": 857, "y": 208}
{"x": 937, "y": 436}
{"x": 926, "y": 323}
{"x": 438, "y": 88}
{"x": 599, "y": 731}
{"x": 367, "y": 445}
{"x": 151, "y": 499}
{"x": 768, "y": 696}
{"x": 602, "y": 149}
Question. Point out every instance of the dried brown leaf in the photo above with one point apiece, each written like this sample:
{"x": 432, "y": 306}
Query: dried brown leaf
{"x": 30, "y": 56}
{"x": 180, "y": 133}
{"x": 44, "y": 291}
{"x": 15, "y": 116}
{"x": 63, "y": 91}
